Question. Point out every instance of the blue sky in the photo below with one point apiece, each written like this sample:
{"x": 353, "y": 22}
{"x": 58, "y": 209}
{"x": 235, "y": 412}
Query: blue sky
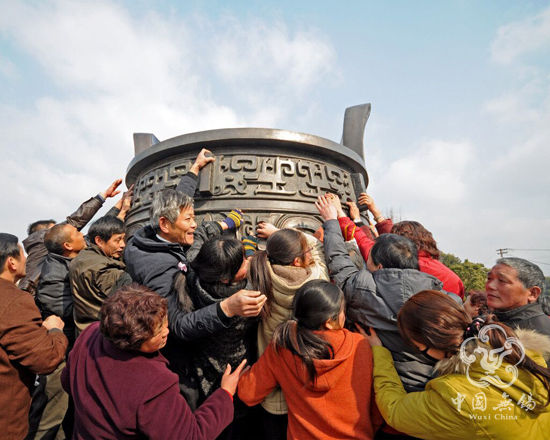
{"x": 459, "y": 132}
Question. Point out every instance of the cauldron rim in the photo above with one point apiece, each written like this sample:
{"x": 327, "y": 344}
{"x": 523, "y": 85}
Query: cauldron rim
{"x": 238, "y": 137}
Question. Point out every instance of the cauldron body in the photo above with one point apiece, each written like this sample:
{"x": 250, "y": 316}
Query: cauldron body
{"x": 272, "y": 175}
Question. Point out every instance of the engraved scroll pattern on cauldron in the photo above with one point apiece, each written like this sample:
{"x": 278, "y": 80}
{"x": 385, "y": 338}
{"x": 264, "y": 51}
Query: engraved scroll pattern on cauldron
{"x": 247, "y": 176}
{"x": 278, "y": 177}
{"x": 158, "y": 179}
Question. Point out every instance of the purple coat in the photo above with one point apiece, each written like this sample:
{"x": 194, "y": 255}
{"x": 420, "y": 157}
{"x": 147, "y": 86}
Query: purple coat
{"x": 126, "y": 394}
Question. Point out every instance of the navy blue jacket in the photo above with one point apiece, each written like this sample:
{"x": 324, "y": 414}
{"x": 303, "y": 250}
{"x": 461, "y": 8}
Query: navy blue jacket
{"x": 153, "y": 263}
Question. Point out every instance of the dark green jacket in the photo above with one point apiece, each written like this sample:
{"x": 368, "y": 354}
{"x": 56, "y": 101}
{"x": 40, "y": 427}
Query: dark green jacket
{"x": 94, "y": 276}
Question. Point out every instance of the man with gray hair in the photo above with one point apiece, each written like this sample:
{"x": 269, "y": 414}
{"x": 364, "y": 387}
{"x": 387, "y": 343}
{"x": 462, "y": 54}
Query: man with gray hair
{"x": 514, "y": 286}
{"x": 158, "y": 251}
{"x": 165, "y": 247}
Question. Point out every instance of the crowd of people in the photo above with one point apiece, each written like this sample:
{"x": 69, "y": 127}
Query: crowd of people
{"x": 184, "y": 331}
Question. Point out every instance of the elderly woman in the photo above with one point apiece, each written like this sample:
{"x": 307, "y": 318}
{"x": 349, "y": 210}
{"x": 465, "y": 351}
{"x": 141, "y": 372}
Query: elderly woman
{"x": 121, "y": 385}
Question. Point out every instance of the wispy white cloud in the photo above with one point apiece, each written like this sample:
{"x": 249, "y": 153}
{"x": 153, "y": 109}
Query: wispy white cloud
{"x": 118, "y": 73}
{"x": 272, "y": 56}
{"x": 431, "y": 175}
{"x": 7, "y": 68}
{"x": 521, "y": 37}
{"x": 479, "y": 196}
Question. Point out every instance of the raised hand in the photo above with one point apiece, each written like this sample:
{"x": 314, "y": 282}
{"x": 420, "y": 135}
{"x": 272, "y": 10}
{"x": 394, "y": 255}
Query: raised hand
{"x": 335, "y": 200}
{"x": 125, "y": 203}
{"x": 203, "y": 159}
{"x": 353, "y": 211}
{"x": 265, "y": 229}
{"x": 233, "y": 220}
{"x": 112, "y": 190}
{"x": 326, "y": 208}
{"x": 368, "y": 201}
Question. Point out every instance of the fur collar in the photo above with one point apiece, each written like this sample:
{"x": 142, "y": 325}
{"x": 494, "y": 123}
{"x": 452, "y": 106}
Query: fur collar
{"x": 291, "y": 276}
{"x": 530, "y": 339}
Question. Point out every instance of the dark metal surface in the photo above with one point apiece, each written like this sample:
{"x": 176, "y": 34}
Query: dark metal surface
{"x": 272, "y": 175}
{"x": 355, "y": 119}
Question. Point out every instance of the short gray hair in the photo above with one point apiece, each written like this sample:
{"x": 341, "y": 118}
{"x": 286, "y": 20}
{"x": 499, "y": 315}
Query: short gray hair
{"x": 529, "y": 274}
{"x": 168, "y": 203}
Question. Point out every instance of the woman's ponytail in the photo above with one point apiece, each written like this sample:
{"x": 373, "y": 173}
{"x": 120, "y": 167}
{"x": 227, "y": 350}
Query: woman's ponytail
{"x": 260, "y": 278}
{"x": 303, "y": 343}
{"x": 315, "y": 303}
{"x": 281, "y": 248}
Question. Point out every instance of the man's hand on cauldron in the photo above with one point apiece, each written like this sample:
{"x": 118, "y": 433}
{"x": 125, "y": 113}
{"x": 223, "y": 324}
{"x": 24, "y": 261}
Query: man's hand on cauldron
{"x": 265, "y": 229}
{"x": 203, "y": 159}
{"x": 326, "y": 208}
{"x": 335, "y": 201}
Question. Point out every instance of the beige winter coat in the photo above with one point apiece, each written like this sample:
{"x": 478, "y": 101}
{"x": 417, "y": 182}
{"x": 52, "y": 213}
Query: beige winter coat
{"x": 286, "y": 281}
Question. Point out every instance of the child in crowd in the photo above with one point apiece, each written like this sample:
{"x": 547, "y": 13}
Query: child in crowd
{"x": 290, "y": 259}
{"x": 324, "y": 370}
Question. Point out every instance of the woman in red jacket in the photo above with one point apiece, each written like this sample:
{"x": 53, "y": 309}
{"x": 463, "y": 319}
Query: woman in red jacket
{"x": 428, "y": 253}
{"x": 120, "y": 382}
{"x": 325, "y": 371}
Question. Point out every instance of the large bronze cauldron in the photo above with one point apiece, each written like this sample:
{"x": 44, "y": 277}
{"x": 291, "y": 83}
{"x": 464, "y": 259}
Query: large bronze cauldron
{"x": 272, "y": 175}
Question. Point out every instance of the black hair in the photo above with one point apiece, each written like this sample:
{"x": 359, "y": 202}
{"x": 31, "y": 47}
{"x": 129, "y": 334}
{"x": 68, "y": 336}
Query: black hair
{"x": 105, "y": 228}
{"x": 9, "y": 247}
{"x": 395, "y": 251}
{"x": 314, "y": 304}
{"x": 40, "y": 225}
{"x": 55, "y": 237}
{"x": 220, "y": 258}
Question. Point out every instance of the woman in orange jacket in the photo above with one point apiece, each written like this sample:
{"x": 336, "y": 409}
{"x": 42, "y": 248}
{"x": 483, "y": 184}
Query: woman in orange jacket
{"x": 324, "y": 370}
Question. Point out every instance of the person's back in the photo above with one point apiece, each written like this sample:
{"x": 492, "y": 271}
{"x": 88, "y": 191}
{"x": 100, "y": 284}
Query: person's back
{"x": 337, "y": 405}
{"x": 291, "y": 259}
{"x": 393, "y": 288}
{"x": 325, "y": 371}
{"x": 375, "y": 296}
{"x": 28, "y": 346}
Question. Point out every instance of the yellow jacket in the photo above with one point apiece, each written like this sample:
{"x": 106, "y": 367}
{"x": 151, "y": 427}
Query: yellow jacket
{"x": 451, "y": 407}
{"x": 286, "y": 282}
